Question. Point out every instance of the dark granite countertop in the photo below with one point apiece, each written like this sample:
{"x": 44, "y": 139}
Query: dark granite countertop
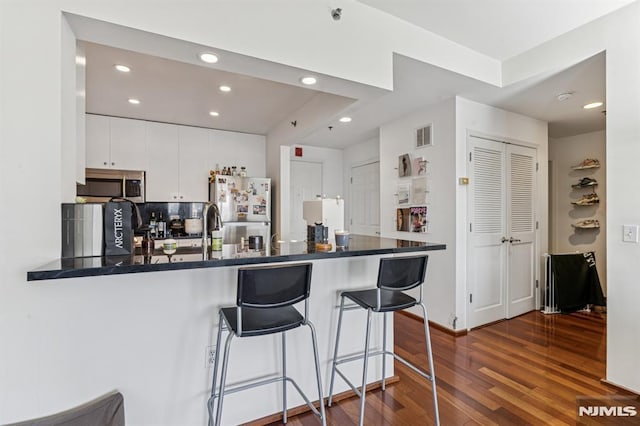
{"x": 192, "y": 258}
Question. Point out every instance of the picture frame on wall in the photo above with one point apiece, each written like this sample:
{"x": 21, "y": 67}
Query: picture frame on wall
{"x": 404, "y": 165}
{"x": 424, "y": 136}
{"x": 419, "y": 166}
{"x": 404, "y": 191}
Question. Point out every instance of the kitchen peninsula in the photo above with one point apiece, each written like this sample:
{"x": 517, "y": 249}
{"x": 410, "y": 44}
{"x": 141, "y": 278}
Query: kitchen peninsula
{"x": 194, "y": 258}
{"x": 176, "y": 310}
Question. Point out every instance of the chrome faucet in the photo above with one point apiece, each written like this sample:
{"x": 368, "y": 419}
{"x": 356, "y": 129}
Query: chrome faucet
{"x": 217, "y": 222}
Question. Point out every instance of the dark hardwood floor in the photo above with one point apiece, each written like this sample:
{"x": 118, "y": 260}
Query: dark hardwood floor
{"x": 527, "y": 370}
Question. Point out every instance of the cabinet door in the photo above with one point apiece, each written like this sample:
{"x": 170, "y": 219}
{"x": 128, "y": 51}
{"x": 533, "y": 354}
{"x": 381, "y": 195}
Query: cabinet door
{"x": 162, "y": 172}
{"x": 97, "y": 141}
{"x": 194, "y": 164}
{"x": 128, "y": 145}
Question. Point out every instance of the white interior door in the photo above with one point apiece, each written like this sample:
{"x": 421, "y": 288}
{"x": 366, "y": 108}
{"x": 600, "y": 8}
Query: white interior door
{"x": 486, "y": 263}
{"x": 364, "y": 199}
{"x": 521, "y": 196}
{"x": 501, "y": 251}
{"x": 306, "y": 183}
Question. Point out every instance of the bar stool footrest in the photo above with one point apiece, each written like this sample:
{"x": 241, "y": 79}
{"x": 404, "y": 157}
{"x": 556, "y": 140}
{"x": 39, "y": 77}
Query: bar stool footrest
{"x": 268, "y": 382}
{"x": 375, "y": 353}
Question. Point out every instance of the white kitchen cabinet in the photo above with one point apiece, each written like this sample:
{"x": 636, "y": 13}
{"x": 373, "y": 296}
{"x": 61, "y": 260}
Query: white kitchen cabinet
{"x": 97, "y": 141}
{"x": 163, "y": 180}
{"x": 115, "y": 143}
{"x": 128, "y": 144}
{"x": 194, "y": 163}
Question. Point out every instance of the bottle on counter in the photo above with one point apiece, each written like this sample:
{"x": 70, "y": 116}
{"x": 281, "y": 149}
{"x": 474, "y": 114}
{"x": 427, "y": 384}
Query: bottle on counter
{"x": 153, "y": 224}
{"x": 162, "y": 226}
{"x": 148, "y": 245}
{"x": 243, "y": 171}
{"x": 216, "y": 240}
{"x": 234, "y": 171}
{"x": 224, "y": 171}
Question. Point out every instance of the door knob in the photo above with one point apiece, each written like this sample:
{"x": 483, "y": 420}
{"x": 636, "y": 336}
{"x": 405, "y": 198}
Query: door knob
{"x": 503, "y": 240}
{"x": 513, "y": 240}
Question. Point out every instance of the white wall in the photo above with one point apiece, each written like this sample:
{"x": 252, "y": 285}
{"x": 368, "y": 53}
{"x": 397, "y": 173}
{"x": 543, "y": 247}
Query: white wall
{"x": 564, "y": 153}
{"x": 398, "y": 138}
{"x": 472, "y": 117}
{"x": 618, "y": 34}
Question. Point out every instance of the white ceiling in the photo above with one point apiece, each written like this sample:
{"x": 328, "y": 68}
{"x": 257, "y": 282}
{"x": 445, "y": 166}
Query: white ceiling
{"x": 182, "y": 90}
{"x": 498, "y": 28}
{"x": 178, "y": 92}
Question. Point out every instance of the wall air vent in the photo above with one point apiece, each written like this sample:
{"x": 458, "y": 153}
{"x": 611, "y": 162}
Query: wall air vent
{"x": 424, "y": 136}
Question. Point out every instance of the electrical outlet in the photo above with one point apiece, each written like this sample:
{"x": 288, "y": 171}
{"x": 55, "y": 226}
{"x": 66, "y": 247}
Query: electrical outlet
{"x": 209, "y": 356}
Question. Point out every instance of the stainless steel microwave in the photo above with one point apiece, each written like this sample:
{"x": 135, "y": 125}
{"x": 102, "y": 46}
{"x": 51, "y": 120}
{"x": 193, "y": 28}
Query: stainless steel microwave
{"x": 104, "y": 184}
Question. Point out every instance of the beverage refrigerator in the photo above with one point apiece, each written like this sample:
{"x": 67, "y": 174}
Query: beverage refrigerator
{"x": 245, "y": 208}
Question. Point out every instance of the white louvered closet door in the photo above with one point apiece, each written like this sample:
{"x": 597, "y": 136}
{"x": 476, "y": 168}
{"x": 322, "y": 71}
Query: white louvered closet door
{"x": 521, "y": 225}
{"x": 501, "y": 249}
{"x": 486, "y": 251}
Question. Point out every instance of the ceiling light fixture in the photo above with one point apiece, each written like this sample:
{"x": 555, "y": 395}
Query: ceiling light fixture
{"x": 309, "y": 80}
{"x": 122, "y": 68}
{"x": 225, "y": 88}
{"x": 208, "y": 57}
{"x": 134, "y": 101}
{"x": 214, "y": 113}
{"x": 592, "y": 105}
{"x": 345, "y": 120}
{"x": 564, "y": 96}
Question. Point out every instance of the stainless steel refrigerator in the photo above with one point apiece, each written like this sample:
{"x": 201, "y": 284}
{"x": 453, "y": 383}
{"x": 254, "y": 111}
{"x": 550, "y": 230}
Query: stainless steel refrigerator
{"x": 245, "y": 207}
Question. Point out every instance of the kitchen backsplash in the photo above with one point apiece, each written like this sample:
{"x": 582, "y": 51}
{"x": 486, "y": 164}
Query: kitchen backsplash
{"x": 184, "y": 210}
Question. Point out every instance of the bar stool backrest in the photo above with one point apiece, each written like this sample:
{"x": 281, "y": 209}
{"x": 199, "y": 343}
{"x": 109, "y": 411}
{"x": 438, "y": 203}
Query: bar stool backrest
{"x": 273, "y": 286}
{"x": 402, "y": 273}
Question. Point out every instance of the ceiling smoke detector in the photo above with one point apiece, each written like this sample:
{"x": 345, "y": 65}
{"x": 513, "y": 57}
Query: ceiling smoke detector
{"x": 564, "y": 96}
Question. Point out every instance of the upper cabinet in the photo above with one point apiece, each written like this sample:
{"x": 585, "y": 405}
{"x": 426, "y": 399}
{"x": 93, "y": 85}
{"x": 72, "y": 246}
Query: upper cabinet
{"x": 194, "y": 164}
{"x": 115, "y": 143}
{"x": 176, "y": 158}
{"x": 162, "y": 152}
{"x": 178, "y": 163}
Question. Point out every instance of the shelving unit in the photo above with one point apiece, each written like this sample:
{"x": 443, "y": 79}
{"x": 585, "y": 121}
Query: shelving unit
{"x": 588, "y": 199}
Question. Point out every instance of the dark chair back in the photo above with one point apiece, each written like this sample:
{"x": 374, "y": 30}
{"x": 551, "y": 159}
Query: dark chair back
{"x": 273, "y": 286}
{"x": 402, "y": 273}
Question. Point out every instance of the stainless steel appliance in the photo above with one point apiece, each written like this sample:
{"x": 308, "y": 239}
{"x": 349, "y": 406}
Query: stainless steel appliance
{"x": 245, "y": 207}
{"x": 103, "y": 184}
{"x": 82, "y": 230}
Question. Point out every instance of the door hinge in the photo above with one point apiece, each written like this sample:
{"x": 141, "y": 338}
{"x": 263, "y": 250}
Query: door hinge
{"x": 536, "y": 283}
{"x": 537, "y": 166}
{"x": 537, "y": 224}
{"x": 470, "y": 298}
{"x": 470, "y": 227}
{"x": 351, "y": 222}
{"x": 351, "y": 180}
{"x": 469, "y": 156}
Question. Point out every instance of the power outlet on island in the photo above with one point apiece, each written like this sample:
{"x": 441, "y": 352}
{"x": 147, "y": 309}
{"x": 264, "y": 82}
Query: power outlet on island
{"x": 210, "y": 356}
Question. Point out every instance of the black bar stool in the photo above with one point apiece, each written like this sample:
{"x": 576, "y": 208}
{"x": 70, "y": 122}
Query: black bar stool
{"x": 265, "y": 300}
{"x": 395, "y": 275}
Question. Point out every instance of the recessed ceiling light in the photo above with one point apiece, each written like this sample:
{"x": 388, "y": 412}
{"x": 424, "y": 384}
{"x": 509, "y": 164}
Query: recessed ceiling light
{"x": 225, "y": 88}
{"x": 208, "y": 57}
{"x": 345, "y": 120}
{"x": 81, "y": 60}
{"x": 214, "y": 113}
{"x": 592, "y": 105}
{"x": 308, "y": 80}
{"x": 122, "y": 68}
{"x": 564, "y": 96}
{"x": 134, "y": 101}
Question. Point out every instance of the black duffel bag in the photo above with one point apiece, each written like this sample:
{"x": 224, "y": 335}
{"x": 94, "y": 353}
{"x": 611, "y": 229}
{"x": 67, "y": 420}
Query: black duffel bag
{"x": 120, "y": 222}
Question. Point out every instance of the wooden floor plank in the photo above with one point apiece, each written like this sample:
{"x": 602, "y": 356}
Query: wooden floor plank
{"x": 527, "y": 370}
